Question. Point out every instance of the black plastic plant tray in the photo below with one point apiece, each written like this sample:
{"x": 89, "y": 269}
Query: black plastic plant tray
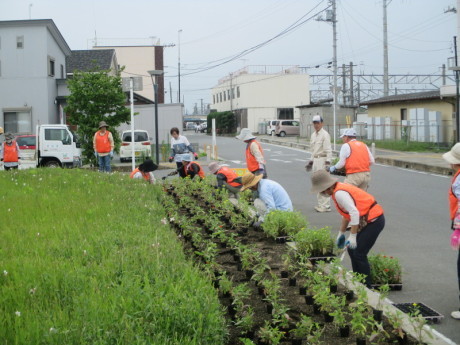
{"x": 393, "y": 287}
{"x": 425, "y": 311}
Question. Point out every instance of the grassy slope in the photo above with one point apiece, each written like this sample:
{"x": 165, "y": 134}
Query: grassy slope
{"x": 89, "y": 261}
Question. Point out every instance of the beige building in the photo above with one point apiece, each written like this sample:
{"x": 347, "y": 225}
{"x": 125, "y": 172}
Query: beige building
{"x": 137, "y": 61}
{"x": 398, "y": 108}
{"x": 260, "y": 93}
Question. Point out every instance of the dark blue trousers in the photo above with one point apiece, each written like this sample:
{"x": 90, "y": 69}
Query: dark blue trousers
{"x": 365, "y": 240}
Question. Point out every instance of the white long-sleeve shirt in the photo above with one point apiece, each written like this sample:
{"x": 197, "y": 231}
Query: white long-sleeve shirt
{"x": 345, "y": 152}
{"x": 346, "y": 203}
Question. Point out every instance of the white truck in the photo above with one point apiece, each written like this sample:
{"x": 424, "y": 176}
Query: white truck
{"x": 57, "y": 146}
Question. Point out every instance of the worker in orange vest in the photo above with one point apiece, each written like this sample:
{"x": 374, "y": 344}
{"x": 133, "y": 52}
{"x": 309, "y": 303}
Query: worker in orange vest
{"x": 145, "y": 170}
{"x": 255, "y": 160}
{"x": 359, "y": 210}
{"x": 189, "y": 168}
{"x": 226, "y": 178}
{"x": 103, "y": 147}
{"x": 453, "y": 158}
{"x": 10, "y": 153}
{"x": 356, "y": 158}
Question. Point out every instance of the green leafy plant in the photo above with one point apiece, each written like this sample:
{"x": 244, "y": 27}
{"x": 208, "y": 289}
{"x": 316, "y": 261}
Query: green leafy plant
{"x": 283, "y": 223}
{"x": 270, "y": 334}
{"x": 385, "y": 269}
{"x": 314, "y": 242}
{"x": 307, "y": 329}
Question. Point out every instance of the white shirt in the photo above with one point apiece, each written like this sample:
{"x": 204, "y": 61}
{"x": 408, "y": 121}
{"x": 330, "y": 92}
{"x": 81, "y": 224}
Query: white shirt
{"x": 138, "y": 175}
{"x": 320, "y": 145}
{"x": 345, "y": 152}
{"x": 346, "y": 203}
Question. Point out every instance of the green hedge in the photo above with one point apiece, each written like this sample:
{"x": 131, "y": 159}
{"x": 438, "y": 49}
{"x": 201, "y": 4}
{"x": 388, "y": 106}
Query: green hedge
{"x": 225, "y": 122}
{"x": 86, "y": 259}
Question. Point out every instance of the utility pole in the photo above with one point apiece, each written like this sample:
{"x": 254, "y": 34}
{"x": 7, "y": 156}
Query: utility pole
{"x": 385, "y": 49}
{"x": 170, "y": 92}
{"x": 344, "y": 84}
{"x": 352, "y": 100}
{"x": 457, "y": 82}
{"x": 178, "y": 64}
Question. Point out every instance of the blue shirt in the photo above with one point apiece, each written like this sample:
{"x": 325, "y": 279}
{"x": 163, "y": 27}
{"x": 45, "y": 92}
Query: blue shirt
{"x": 274, "y": 196}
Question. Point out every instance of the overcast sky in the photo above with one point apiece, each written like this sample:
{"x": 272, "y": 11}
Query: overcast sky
{"x": 227, "y": 33}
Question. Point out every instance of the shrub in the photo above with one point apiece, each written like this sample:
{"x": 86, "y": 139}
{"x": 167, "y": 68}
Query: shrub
{"x": 314, "y": 242}
{"x": 385, "y": 269}
{"x": 283, "y": 223}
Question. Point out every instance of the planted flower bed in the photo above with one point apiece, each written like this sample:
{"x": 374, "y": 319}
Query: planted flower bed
{"x": 273, "y": 293}
{"x": 385, "y": 270}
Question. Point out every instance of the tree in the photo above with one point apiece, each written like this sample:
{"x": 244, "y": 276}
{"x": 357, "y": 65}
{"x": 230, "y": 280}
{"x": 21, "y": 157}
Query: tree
{"x": 96, "y": 96}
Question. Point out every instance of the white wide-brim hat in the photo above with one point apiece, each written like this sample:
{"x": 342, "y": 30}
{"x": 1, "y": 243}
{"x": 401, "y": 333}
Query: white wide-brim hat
{"x": 453, "y": 156}
{"x": 321, "y": 180}
{"x": 214, "y": 167}
{"x": 245, "y": 134}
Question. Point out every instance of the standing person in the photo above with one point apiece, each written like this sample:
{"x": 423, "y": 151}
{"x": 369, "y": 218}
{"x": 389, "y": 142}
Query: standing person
{"x": 2, "y": 136}
{"x": 359, "y": 210}
{"x": 453, "y": 157}
{"x": 103, "y": 147}
{"x": 180, "y": 146}
{"x": 271, "y": 195}
{"x": 145, "y": 170}
{"x": 10, "y": 152}
{"x": 356, "y": 157}
{"x": 255, "y": 160}
{"x": 321, "y": 155}
{"x": 226, "y": 178}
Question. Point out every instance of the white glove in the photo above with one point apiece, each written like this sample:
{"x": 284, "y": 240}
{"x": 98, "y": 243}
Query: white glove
{"x": 351, "y": 241}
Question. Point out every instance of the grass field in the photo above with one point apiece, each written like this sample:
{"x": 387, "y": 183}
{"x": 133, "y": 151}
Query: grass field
{"x": 86, "y": 259}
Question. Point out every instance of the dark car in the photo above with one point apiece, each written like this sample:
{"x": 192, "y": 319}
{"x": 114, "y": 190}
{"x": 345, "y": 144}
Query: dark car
{"x": 26, "y": 142}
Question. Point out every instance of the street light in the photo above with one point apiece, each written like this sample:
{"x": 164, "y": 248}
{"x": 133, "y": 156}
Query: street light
{"x": 178, "y": 63}
{"x": 155, "y": 73}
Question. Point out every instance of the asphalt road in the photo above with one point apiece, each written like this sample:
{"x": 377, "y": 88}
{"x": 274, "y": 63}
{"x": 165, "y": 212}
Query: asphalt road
{"x": 417, "y": 223}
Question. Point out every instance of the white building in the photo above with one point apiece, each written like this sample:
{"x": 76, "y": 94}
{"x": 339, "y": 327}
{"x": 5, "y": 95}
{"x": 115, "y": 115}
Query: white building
{"x": 260, "y": 93}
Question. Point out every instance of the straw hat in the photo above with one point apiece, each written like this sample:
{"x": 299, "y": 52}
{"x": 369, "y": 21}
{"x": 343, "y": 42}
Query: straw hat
{"x": 245, "y": 134}
{"x": 349, "y": 132}
{"x": 321, "y": 180}
{"x": 453, "y": 156}
{"x": 250, "y": 180}
{"x": 214, "y": 167}
{"x": 103, "y": 124}
{"x": 1, "y": 130}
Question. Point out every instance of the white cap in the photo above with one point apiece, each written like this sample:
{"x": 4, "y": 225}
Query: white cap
{"x": 349, "y": 132}
{"x": 317, "y": 118}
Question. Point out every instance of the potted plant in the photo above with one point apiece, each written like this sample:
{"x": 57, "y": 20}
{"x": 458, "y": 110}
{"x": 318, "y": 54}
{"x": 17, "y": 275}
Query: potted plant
{"x": 340, "y": 314}
{"x": 245, "y": 321}
{"x": 385, "y": 270}
{"x": 306, "y": 329}
{"x": 270, "y": 335}
{"x": 281, "y": 224}
{"x": 315, "y": 243}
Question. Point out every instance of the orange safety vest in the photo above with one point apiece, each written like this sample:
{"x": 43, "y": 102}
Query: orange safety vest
{"x": 364, "y": 202}
{"x": 188, "y": 169}
{"x": 251, "y": 161}
{"x": 103, "y": 142}
{"x": 146, "y": 176}
{"x": 10, "y": 152}
{"x": 230, "y": 176}
{"x": 453, "y": 201}
{"x": 358, "y": 161}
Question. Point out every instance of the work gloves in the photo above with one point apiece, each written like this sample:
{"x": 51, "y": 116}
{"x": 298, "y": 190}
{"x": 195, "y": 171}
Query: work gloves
{"x": 95, "y": 154}
{"x": 170, "y": 159}
{"x": 111, "y": 154}
{"x": 351, "y": 241}
{"x": 309, "y": 166}
{"x": 332, "y": 169}
{"x": 164, "y": 178}
{"x": 195, "y": 155}
{"x": 455, "y": 239}
{"x": 340, "y": 240}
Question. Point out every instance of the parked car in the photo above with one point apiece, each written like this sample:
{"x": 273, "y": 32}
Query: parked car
{"x": 287, "y": 127}
{"x": 27, "y": 145}
{"x": 190, "y": 126}
{"x": 271, "y": 126}
{"x": 142, "y": 145}
{"x": 201, "y": 128}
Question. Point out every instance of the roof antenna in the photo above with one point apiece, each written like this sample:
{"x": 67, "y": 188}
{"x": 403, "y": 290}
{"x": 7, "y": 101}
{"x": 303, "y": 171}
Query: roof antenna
{"x": 95, "y": 38}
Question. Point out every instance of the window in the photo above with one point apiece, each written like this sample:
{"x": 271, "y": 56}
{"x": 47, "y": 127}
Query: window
{"x": 51, "y": 63}
{"x": 285, "y": 113}
{"x": 233, "y": 93}
{"x": 403, "y": 114}
{"x": 20, "y": 42}
{"x": 213, "y": 99}
{"x": 220, "y": 96}
{"x": 62, "y": 71}
{"x": 238, "y": 92}
{"x": 228, "y": 94}
{"x": 225, "y": 96}
{"x": 17, "y": 121}
{"x": 58, "y": 134}
{"x": 138, "y": 136}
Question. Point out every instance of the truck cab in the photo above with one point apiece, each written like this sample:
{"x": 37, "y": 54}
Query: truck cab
{"x": 57, "y": 146}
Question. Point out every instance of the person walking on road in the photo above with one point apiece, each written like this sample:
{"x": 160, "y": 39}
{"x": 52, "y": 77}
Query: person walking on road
{"x": 321, "y": 155}
{"x": 180, "y": 146}
{"x": 226, "y": 178}
{"x": 255, "y": 160}
{"x": 145, "y": 170}
{"x": 103, "y": 145}
{"x": 453, "y": 158}
{"x": 271, "y": 195}
{"x": 10, "y": 153}
{"x": 359, "y": 210}
{"x": 356, "y": 157}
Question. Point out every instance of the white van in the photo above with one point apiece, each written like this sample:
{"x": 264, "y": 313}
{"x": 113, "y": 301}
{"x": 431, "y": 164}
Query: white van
{"x": 271, "y": 126}
{"x": 142, "y": 145}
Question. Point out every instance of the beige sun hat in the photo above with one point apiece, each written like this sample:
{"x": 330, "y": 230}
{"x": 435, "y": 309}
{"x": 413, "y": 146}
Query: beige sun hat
{"x": 103, "y": 124}
{"x": 249, "y": 180}
{"x": 1, "y": 130}
{"x": 321, "y": 180}
{"x": 453, "y": 156}
{"x": 245, "y": 134}
{"x": 214, "y": 167}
